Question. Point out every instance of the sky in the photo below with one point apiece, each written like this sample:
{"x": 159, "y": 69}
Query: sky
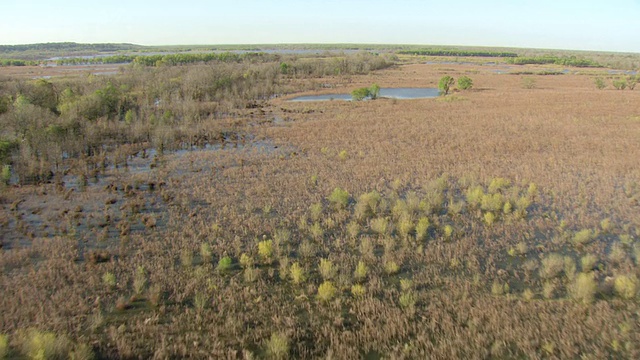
{"x": 550, "y": 24}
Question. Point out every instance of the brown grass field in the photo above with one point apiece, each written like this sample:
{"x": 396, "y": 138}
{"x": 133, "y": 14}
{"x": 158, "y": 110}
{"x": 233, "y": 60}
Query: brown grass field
{"x": 500, "y": 222}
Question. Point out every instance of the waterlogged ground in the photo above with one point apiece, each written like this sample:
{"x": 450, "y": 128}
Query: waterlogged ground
{"x": 498, "y": 222}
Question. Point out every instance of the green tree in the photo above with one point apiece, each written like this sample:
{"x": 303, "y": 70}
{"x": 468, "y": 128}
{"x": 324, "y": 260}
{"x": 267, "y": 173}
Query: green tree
{"x": 620, "y": 84}
{"x": 632, "y": 80}
{"x": 465, "y": 83}
{"x": 445, "y": 83}
{"x": 360, "y": 94}
{"x": 374, "y": 91}
{"x": 600, "y": 84}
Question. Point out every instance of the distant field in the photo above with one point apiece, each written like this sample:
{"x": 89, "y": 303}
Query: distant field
{"x": 176, "y": 211}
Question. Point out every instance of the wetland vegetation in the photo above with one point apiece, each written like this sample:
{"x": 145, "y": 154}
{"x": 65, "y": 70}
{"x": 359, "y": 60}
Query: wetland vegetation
{"x": 188, "y": 209}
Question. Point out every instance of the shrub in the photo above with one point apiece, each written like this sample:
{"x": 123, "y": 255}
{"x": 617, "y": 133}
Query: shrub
{"x": 297, "y": 273}
{"x": 569, "y": 267}
{"x": 474, "y": 196}
{"x": 250, "y": 274}
{"x": 326, "y": 291}
{"x": 549, "y": 290}
{"x": 44, "y": 345}
{"x": 5, "y": 174}
{"x": 277, "y": 346}
{"x": 422, "y": 228}
{"x": 200, "y": 301}
{"x": 498, "y": 184}
{"x": 316, "y": 231}
{"x": 406, "y": 285}
{"x": 528, "y": 294}
{"x": 140, "y": 280}
{"x": 600, "y": 84}
{"x": 465, "y": 83}
{"x": 489, "y": 218}
{"x": 497, "y": 288}
{"x": 315, "y": 211}
{"x": 358, "y": 290}
{"x": 246, "y": 260}
{"x": 584, "y": 236}
{"x": 588, "y": 262}
{"x": 339, "y": 198}
{"x": 265, "y": 249}
{"x": 361, "y": 271}
{"x": 448, "y": 231}
{"x": 620, "y": 84}
{"x": 552, "y": 266}
{"x": 407, "y": 300}
{"x": 584, "y": 288}
{"x": 444, "y": 85}
{"x": 353, "y": 229}
{"x": 405, "y": 226}
{"x": 186, "y": 258}
{"x": 327, "y": 270}
{"x": 617, "y": 253}
{"x": 224, "y": 264}
{"x": 528, "y": 83}
{"x": 492, "y": 202}
{"x": 391, "y": 267}
{"x": 109, "y": 280}
{"x": 4, "y": 346}
{"x": 626, "y": 286}
{"x": 206, "y": 252}
{"x": 606, "y": 225}
{"x": 374, "y": 91}
{"x": 632, "y": 81}
{"x": 379, "y": 225}
{"x": 81, "y": 352}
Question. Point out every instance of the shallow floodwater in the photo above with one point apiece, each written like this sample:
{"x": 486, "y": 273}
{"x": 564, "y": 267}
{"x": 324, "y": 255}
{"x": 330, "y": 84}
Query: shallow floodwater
{"x": 390, "y": 93}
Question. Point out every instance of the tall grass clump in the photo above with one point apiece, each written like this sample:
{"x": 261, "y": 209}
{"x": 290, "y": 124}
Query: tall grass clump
{"x": 326, "y": 291}
{"x": 297, "y": 273}
{"x": 626, "y": 286}
{"x": 422, "y": 228}
{"x": 583, "y": 237}
{"x": 140, "y": 280}
{"x": 584, "y": 288}
{"x": 326, "y": 269}
{"x": 224, "y": 264}
{"x": 265, "y": 250}
{"x": 4, "y": 346}
{"x": 206, "y": 252}
{"x": 552, "y": 266}
{"x": 277, "y": 347}
{"x": 361, "y": 271}
{"x": 339, "y": 198}
{"x": 44, "y": 345}
{"x": 109, "y": 280}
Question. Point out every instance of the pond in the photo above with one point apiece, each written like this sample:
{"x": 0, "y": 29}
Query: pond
{"x": 390, "y": 93}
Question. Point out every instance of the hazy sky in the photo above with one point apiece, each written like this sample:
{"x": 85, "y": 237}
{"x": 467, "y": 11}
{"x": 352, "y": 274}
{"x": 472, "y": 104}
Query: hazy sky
{"x": 587, "y": 25}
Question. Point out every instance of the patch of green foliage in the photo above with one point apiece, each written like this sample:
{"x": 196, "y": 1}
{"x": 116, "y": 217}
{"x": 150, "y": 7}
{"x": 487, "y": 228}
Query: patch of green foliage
{"x": 565, "y": 61}
{"x": 445, "y": 83}
{"x": 458, "y": 53}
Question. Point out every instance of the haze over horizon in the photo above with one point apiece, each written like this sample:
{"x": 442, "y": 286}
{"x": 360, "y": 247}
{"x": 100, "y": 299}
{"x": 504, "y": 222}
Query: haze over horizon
{"x": 571, "y": 25}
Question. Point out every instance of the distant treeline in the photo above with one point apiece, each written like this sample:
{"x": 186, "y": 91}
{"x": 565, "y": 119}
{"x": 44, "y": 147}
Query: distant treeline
{"x": 68, "y": 46}
{"x": 16, "y": 62}
{"x": 458, "y": 53}
{"x": 566, "y": 61}
{"x": 168, "y": 59}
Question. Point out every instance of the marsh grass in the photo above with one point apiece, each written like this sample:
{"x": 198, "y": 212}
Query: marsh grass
{"x": 431, "y": 163}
